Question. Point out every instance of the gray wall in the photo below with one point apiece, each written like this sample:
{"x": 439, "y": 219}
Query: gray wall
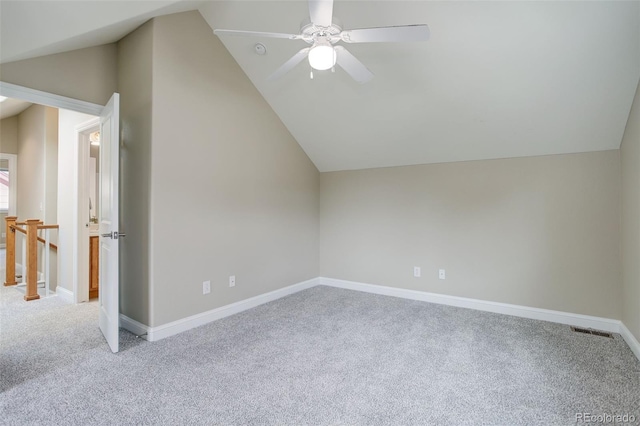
{"x": 87, "y": 74}
{"x": 541, "y": 232}
{"x": 9, "y": 135}
{"x": 134, "y": 85}
{"x": 630, "y": 158}
{"x": 232, "y": 191}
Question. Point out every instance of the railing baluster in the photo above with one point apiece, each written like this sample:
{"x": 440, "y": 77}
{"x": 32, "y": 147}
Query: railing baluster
{"x": 10, "y": 255}
{"x": 32, "y": 260}
{"x": 23, "y": 262}
{"x": 47, "y": 257}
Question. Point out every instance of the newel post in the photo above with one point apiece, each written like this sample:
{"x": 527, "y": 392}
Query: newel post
{"x": 32, "y": 260}
{"x": 10, "y": 266}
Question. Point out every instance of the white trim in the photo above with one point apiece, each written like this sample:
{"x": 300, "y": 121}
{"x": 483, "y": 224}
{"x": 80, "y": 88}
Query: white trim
{"x": 587, "y": 321}
{"x": 628, "y": 337}
{"x": 43, "y": 98}
{"x": 80, "y": 249}
{"x": 88, "y": 126}
{"x": 64, "y": 294}
{"x": 133, "y": 326}
{"x": 184, "y": 324}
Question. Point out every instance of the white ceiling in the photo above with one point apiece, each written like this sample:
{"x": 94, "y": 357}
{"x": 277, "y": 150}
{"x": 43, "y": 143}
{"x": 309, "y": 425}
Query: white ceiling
{"x": 10, "y": 107}
{"x": 36, "y": 28}
{"x": 496, "y": 79}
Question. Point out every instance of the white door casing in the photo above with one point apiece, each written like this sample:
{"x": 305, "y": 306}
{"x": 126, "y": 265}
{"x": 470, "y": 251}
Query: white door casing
{"x": 109, "y": 221}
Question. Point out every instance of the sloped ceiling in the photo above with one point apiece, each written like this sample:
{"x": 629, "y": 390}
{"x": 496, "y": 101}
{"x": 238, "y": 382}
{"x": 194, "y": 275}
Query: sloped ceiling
{"x": 496, "y": 79}
{"x": 30, "y": 29}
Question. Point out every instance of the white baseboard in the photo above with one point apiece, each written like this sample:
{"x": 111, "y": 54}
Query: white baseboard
{"x": 184, "y": 324}
{"x": 630, "y": 339}
{"x": 64, "y": 294}
{"x": 133, "y": 326}
{"x": 579, "y": 320}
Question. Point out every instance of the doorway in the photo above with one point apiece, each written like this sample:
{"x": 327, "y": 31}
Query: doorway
{"x": 105, "y": 120}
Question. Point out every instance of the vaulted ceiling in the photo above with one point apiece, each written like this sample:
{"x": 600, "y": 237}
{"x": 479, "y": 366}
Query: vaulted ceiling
{"x": 496, "y": 79}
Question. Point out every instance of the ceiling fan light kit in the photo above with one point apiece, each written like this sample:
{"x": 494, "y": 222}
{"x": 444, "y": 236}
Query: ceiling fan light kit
{"x": 322, "y": 56}
{"x": 322, "y": 32}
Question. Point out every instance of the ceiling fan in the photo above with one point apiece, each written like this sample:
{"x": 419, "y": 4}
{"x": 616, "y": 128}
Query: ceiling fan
{"x": 322, "y": 31}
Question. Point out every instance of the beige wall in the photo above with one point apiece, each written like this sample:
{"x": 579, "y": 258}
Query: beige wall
{"x": 51, "y": 166}
{"x": 541, "y": 232}
{"x": 8, "y": 145}
{"x": 630, "y": 159}
{"x": 134, "y": 86}
{"x": 9, "y": 135}
{"x": 37, "y": 159}
{"x": 50, "y": 215}
{"x": 87, "y": 74}
{"x": 31, "y": 161}
{"x": 232, "y": 191}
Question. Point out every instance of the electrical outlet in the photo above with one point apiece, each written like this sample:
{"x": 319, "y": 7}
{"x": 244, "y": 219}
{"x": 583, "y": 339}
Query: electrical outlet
{"x": 232, "y": 281}
{"x": 206, "y": 287}
{"x": 441, "y": 274}
{"x": 4, "y": 235}
{"x": 416, "y": 271}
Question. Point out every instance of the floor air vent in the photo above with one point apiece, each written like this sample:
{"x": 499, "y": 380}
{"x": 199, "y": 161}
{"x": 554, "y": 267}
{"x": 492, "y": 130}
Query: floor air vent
{"x": 590, "y": 331}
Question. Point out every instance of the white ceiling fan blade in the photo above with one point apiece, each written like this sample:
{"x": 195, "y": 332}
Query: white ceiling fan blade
{"x": 386, "y": 34}
{"x": 255, "y": 34}
{"x": 352, "y": 65}
{"x": 290, "y": 64}
{"x": 321, "y": 12}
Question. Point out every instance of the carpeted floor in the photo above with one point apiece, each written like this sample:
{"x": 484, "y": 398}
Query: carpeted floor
{"x": 323, "y": 356}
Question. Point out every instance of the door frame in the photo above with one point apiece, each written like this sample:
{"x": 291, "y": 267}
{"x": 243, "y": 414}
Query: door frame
{"x": 81, "y": 214}
{"x": 62, "y": 102}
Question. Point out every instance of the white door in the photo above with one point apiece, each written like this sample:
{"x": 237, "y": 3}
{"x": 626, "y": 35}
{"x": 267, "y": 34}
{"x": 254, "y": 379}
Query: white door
{"x": 108, "y": 217}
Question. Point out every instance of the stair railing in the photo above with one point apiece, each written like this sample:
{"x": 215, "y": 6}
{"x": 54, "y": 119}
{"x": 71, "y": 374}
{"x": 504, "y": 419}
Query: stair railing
{"x": 29, "y": 229}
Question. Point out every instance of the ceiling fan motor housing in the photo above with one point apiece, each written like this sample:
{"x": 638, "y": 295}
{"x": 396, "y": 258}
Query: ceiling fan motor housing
{"x": 311, "y": 32}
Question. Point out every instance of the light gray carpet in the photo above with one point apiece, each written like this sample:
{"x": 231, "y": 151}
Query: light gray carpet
{"x": 323, "y": 356}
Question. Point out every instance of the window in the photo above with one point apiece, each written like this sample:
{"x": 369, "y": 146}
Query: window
{"x": 4, "y": 190}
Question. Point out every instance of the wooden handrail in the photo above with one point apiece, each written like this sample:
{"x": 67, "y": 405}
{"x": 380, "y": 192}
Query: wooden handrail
{"x": 42, "y": 240}
{"x": 24, "y": 223}
{"x": 53, "y": 246}
{"x": 17, "y": 228}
